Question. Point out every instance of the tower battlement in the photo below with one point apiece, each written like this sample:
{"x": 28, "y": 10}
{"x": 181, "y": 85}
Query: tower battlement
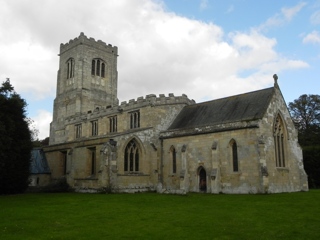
{"x": 83, "y": 39}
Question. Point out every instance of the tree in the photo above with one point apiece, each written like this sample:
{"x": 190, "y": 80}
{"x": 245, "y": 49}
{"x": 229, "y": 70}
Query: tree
{"x": 15, "y": 141}
{"x": 305, "y": 112}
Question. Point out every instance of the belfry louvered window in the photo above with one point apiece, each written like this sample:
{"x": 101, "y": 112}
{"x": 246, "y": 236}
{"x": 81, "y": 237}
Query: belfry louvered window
{"x": 70, "y": 68}
{"x": 98, "y": 68}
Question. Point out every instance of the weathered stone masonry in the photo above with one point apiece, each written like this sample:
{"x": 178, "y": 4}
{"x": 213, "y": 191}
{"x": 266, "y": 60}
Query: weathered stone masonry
{"x": 169, "y": 144}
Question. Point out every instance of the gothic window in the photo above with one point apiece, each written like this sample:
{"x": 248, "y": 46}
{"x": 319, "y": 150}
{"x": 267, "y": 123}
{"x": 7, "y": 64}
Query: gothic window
{"x": 173, "y": 159}
{"x": 93, "y": 67}
{"x": 135, "y": 119}
{"x": 78, "y": 130}
{"x": 92, "y": 160}
{"x": 94, "y": 128}
{"x": 98, "y": 68}
{"x": 64, "y": 158}
{"x": 70, "y": 68}
{"x": 234, "y": 150}
{"x": 113, "y": 124}
{"x": 103, "y": 69}
{"x": 279, "y": 142}
{"x": 131, "y": 157}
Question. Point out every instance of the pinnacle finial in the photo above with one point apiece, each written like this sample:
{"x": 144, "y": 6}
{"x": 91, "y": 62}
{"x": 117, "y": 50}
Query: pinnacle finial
{"x": 275, "y": 77}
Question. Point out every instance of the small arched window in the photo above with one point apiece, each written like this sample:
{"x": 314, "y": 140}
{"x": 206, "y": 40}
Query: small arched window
{"x": 173, "y": 159}
{"x": 70, "y": 68}
{"x": 103, "y": 68}
{"x": 279, "y": 141}
{"x": 234, "y": 150}
{"x": 93, "y": 67}
{"x": 131, "y": 157}
{"x": 98, "y": 68}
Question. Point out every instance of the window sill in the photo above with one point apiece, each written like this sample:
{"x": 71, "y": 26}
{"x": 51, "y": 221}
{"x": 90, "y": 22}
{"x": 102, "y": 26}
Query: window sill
{"x": 282, "y": 169}
{"x": 133, "y": 174}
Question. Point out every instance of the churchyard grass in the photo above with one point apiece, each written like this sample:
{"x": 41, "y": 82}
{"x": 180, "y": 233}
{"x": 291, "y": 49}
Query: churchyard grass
{"x": 160, "y": 216}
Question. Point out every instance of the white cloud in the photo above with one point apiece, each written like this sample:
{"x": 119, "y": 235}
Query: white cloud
{"x": 289, "y": 13}
{"x": 203, "y": 4}
{"x": 230, "y": 9}
{"x": 42, "y": 122}
{"x": 315, "y": 18}
{"x": 159, "y": 52}
{"x": 313, "y": 37}
{"x": 282, "y": 18}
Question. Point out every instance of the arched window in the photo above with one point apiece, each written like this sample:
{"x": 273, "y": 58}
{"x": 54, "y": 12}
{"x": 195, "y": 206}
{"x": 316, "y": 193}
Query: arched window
{"x": 70, "y": 68}
{"x": 98, "y": 68}
{"x": 279, "y": 141}
{"x": 135, "y": 119}
{"x": 173, "y": 159}
{"x": 131, "y": 157}
{"x": 234, "y": 150}
{"x": 93, "y": 67}
{"x": 103, "y": 69}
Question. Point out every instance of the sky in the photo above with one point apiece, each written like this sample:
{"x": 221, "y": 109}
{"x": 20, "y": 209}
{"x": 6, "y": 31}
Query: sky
{"x": 206, "y": 49}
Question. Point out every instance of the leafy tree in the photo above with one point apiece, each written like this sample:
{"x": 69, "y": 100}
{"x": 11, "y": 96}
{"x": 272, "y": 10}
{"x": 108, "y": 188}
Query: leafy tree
{"x": 305, "y": 112}
{"x": 41, "y": 143}
{"x": 15, "y": 141}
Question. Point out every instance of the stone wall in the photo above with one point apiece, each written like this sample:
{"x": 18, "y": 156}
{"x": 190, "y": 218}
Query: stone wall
{"x": 82, "y": 91}
{"x": 156, "y": 114}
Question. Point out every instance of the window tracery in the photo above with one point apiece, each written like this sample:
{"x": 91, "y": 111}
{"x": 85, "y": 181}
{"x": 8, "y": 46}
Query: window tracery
{"x": 131, "y": 157}
{"x": 279, "y": 142}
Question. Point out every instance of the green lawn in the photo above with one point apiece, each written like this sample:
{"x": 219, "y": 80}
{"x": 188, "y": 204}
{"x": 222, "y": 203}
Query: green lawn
{"x": 156, "y": 216}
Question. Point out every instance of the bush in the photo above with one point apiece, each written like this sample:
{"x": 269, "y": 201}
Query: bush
{"x": 311, "y": 160}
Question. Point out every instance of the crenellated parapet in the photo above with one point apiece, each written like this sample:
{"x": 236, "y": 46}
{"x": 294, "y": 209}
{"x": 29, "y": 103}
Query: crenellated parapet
{"x": 149, "y": 100}
{"x": 83, "y": 39}
{"x": 153, "y": 100}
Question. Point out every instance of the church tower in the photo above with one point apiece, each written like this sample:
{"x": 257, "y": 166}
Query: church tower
{"x": 87, "y": 80}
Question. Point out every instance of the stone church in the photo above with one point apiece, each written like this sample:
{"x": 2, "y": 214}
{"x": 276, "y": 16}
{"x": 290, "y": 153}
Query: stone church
{"x": 240, "y": 144}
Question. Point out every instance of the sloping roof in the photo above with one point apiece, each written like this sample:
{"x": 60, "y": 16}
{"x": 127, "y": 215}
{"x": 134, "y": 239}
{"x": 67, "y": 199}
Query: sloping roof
{"x": 243, "y": 107}
{"x": 39, "y": 162}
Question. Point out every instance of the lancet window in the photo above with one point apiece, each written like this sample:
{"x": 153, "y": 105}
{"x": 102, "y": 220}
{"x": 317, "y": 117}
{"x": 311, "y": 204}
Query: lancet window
{"x": 279, "y": 142}
{"x": 70, "y": 68}
{"x": 92, "y": 159}
{"x": 173, "y": 159}
{"x": 234, "y": 150}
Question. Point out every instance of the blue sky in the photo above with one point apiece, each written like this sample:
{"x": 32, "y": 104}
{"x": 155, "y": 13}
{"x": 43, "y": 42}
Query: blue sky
{"x": 206, "y": 49}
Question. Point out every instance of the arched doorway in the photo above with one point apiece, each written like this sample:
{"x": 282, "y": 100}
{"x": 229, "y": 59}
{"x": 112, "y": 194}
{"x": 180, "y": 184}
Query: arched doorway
{"x": 202, "y": 180}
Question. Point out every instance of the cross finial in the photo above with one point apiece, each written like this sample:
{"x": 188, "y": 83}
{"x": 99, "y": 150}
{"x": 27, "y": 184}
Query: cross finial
{"x": 275, "y": 77}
